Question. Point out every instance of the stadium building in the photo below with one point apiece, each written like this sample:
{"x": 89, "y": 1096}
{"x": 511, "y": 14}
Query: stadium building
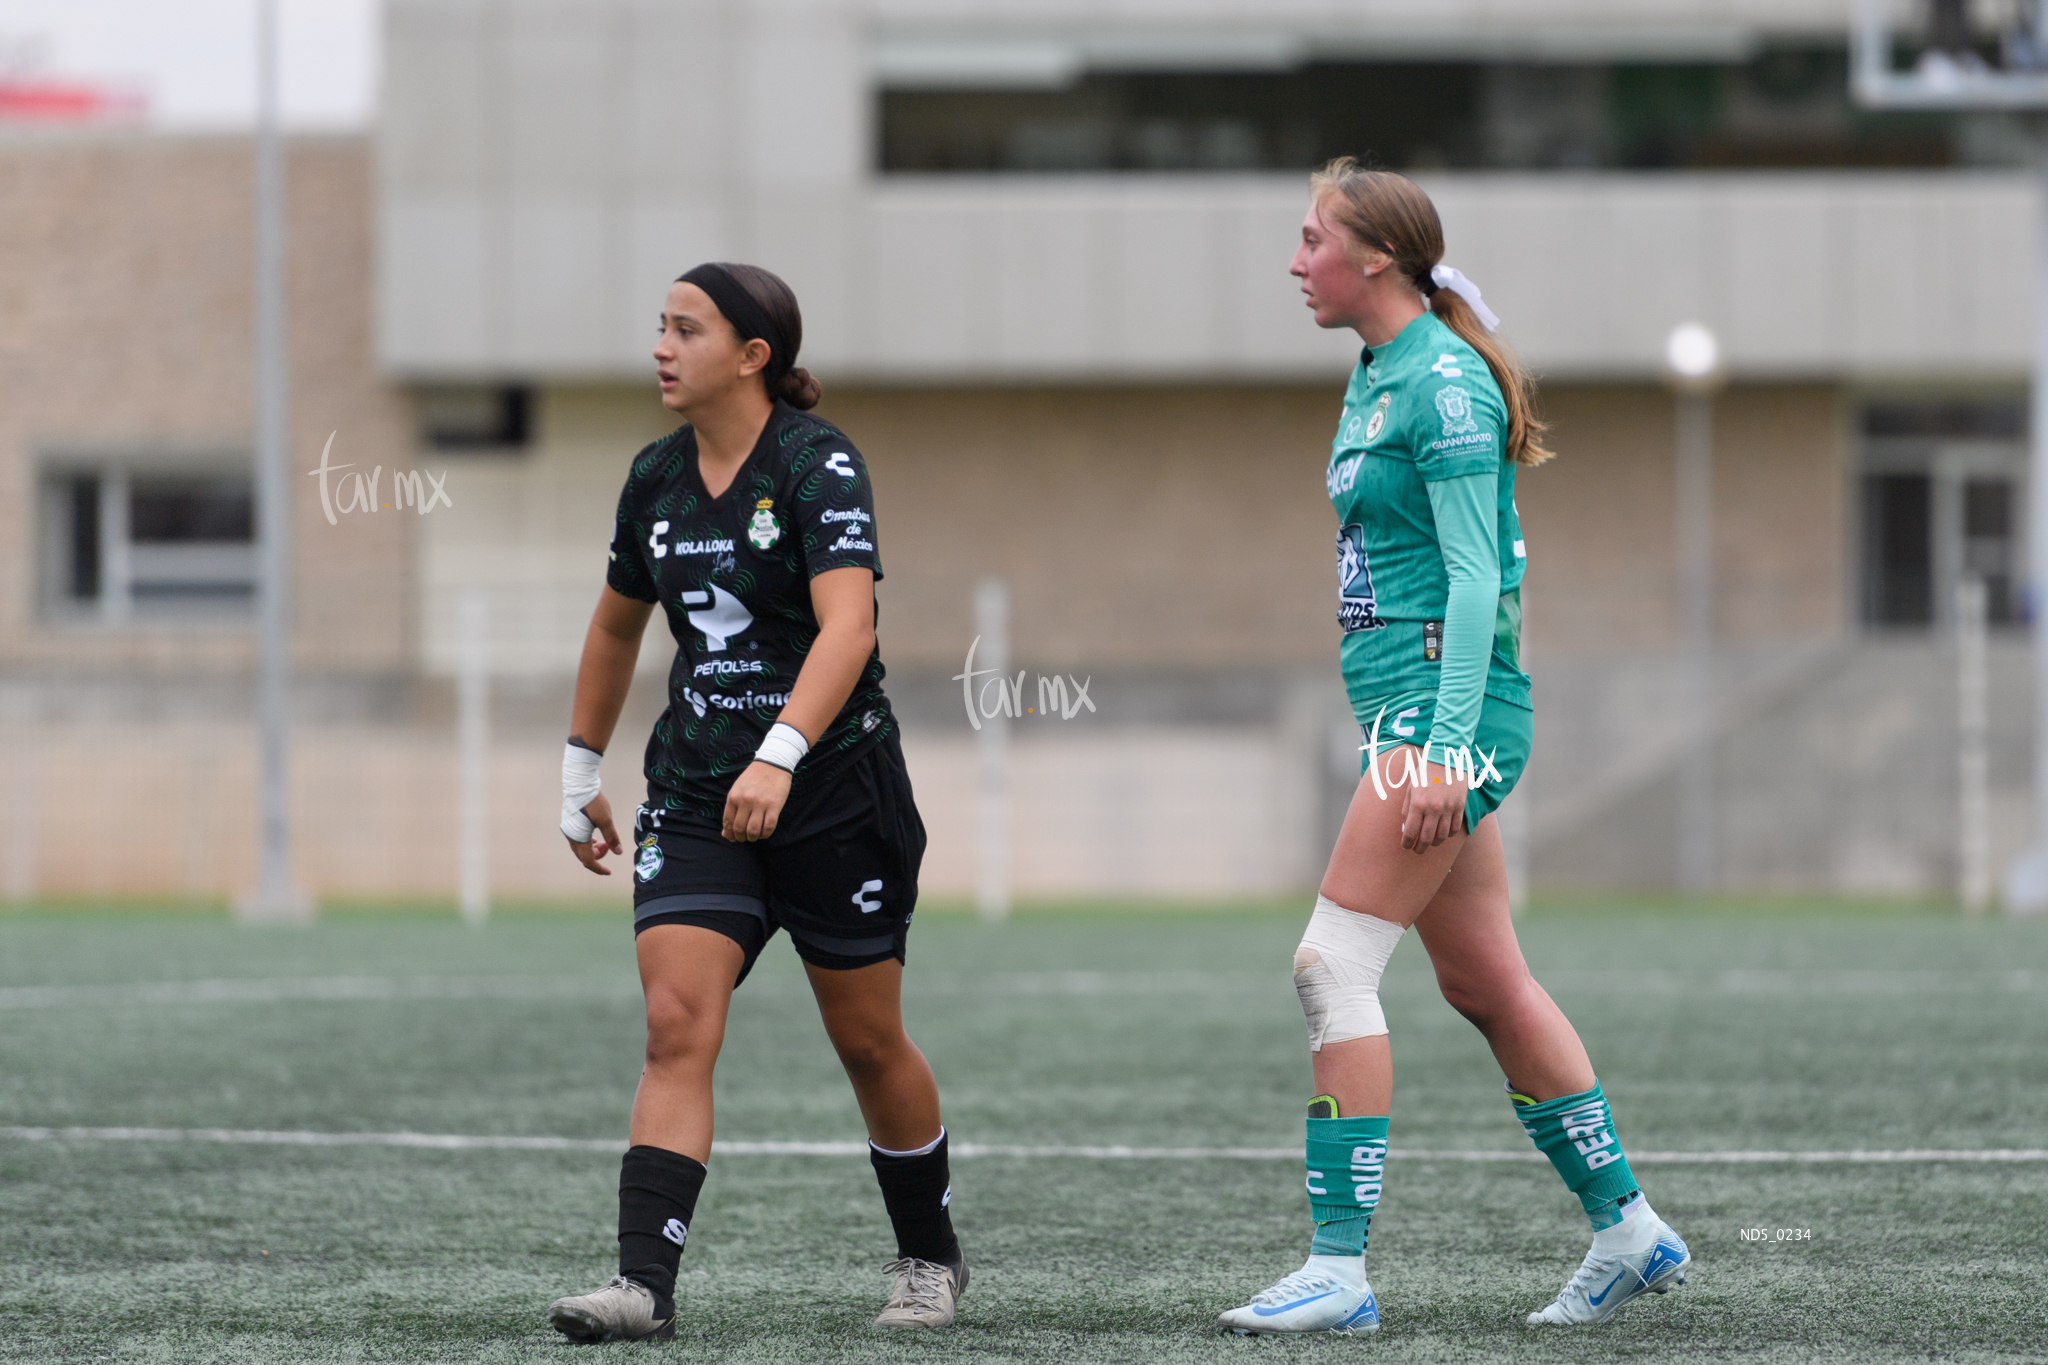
{"x": 1042, "y": 255}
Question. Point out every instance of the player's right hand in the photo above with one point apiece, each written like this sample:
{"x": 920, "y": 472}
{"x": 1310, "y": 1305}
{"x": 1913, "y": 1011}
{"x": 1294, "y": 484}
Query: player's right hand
{"x": 604, "y": 840}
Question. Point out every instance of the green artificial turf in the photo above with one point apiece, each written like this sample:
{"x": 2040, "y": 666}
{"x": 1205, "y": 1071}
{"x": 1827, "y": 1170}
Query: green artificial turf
{"x": 1711, "y": 1032}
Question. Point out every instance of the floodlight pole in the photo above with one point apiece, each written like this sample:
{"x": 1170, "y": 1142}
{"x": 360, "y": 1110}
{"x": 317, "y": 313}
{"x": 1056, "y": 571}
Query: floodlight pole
{"x": 275, "y": 898}
{"x": 1693, "y": 544}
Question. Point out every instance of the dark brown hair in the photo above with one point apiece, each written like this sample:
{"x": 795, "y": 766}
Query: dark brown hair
{"x": 1382, "y": 211}
{"x": 795, "y": 386}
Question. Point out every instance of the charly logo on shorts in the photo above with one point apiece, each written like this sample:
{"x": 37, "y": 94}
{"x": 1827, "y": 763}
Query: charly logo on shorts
{"x": 764, "y": 530}
{"x": 650, "y": 859}
{"x": 1454, "y": 405}
{"x": 1378, "y": 421}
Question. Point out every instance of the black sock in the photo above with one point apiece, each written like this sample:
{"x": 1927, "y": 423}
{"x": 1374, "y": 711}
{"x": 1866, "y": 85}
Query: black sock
{"x": 657, "y": 1198}
{"x": 917, "y": 1190}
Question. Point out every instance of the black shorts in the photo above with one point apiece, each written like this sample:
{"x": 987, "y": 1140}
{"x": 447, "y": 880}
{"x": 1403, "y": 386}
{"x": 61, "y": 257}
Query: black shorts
{"x": 839, "y": 873}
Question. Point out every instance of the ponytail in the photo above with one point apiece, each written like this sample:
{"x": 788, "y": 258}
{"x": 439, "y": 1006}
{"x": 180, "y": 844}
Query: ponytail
{"x": 1389, "y": 212}
{"x": 1517, "y": 386}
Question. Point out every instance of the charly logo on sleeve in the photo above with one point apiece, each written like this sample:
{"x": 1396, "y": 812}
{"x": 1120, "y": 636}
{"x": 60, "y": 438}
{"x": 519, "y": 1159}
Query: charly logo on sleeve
{"x": 764, "y": 530}
{"x": 1454, "y": 405}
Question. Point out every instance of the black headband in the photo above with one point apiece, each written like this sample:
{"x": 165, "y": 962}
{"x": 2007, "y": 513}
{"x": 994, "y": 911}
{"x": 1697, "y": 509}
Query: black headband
{"x": 748, "y": 318}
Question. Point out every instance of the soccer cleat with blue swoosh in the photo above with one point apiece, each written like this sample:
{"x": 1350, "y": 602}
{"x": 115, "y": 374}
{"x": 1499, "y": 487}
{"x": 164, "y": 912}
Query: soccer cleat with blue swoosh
{"x": 1329, "y": 1294}
{"x": 1640, "y": 1255}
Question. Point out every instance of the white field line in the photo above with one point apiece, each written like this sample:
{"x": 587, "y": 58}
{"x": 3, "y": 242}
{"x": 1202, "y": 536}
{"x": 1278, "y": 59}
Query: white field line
{"x": 466, "y": 1142}
{"x": 268, "y": 990}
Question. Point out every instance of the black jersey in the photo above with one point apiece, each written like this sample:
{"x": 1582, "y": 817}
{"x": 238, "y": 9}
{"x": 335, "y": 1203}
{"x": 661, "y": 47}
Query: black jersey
{"x": 733, "y": 573}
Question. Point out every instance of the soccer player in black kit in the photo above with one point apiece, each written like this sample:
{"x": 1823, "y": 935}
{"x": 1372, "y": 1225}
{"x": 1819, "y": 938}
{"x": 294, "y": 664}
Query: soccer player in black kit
{"x": 777, "y": 797}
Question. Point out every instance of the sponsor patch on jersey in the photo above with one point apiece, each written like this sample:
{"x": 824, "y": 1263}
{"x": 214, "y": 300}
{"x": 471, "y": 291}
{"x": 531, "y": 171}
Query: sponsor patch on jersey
{"x": 1447, "y": 365}
{"x": 649, "y": 862}
{"x": 1454, "y": 405}
{"x": 764, "y": 530}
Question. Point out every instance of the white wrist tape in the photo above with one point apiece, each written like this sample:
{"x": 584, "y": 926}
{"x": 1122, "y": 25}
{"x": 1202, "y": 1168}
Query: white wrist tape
{"x": 1337, "y": 972}
{"x": 784, "y": 747}
{"x": 579, "y": 789}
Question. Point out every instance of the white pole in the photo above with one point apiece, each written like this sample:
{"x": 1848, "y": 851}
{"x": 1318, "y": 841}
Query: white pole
{"x": 23, "y": 785}
{"x": 2026, "y": 882}
{"x": 473, "y": 745}
{"x": 276, "y": 898}
{"x": 992, "y": 748}
{"x": 1694, "y": 561}
{"x": 1973, "y": 807}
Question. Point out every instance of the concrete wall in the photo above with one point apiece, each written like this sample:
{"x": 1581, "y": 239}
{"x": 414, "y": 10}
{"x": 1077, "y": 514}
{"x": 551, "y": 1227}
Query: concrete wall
{"x": 126, "y": 288}
{"x": 1173, "y": 526}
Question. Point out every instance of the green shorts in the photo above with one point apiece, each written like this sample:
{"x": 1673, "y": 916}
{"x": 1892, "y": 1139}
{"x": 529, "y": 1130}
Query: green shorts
{"x": 1500, "y": 745}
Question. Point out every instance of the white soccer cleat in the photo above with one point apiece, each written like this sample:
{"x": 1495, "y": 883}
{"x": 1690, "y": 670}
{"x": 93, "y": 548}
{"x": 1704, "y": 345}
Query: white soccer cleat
{"x": 623, "y": 1310}
{"x": 1640, "y": 1255}
{"x": 1329, "y": 1294}
{"x": 925, "y": 1295}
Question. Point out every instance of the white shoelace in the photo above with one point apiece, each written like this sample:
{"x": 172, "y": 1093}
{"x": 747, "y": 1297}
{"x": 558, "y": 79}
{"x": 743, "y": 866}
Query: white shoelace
{"x": 919, "y": 1284}
{"x": 1590, "y": 1273}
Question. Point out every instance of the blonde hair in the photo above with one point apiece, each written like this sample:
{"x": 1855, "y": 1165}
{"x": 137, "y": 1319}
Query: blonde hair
{"x": 1383, "y": 211}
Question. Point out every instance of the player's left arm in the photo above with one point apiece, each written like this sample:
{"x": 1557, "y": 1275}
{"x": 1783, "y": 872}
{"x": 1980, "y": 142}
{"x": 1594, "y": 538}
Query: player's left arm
{"x": 844, "y": 601}
{"x": 832, "y": 508}
{"x": 1460, "y": 468}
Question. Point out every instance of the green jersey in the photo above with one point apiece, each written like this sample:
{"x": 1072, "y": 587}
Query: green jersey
{"x": 1429, "y": 547}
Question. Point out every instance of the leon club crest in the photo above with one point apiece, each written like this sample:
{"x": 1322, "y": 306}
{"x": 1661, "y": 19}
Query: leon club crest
{"x": 1378, "y": 420}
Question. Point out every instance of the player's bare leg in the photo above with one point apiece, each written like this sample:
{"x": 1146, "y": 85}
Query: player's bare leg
{"x": 863, "y": 1015}
{"x": 687, "y": 974}
{"x": 1374, "y": 888}
{"x": 1481, "y": 972}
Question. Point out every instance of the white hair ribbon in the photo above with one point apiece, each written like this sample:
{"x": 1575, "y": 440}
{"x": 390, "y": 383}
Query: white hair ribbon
{"x": 1451, "y": 278}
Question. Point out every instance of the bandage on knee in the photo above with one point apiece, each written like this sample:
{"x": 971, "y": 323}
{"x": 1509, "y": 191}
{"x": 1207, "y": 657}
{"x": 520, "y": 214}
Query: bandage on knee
{"x": 1337, "y": 972}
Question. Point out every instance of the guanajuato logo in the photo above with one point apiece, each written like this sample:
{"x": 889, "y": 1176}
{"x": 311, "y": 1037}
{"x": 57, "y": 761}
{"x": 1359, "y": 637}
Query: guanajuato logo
{"x": 1454, "y": 405}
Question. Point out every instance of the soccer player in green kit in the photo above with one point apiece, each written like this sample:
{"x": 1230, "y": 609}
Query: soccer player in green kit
{"x": 1429, "y": 568}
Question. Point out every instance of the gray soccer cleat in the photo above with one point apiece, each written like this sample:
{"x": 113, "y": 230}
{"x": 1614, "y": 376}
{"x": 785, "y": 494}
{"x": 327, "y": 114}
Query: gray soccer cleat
{"x": 623, "y": 1310}
{"x": 925, "y": 1293}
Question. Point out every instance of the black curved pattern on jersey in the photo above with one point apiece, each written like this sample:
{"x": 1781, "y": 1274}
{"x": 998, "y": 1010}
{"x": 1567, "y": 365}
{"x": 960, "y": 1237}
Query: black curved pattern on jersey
{"x": 712, "y": 573}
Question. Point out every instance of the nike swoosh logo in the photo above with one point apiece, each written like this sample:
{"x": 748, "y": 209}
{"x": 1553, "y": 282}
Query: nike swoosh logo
{"x": 1660, "y": 1258}
{"x": 1269, "y": 1312}
{"x": 1601, "y": 1297}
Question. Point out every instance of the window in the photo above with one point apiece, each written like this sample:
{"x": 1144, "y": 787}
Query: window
{"x": 126, "y": 543}
{"x": 474, "y": 416}
{"x": 1777, "y": 105}
{"x": 1941, "y": 491}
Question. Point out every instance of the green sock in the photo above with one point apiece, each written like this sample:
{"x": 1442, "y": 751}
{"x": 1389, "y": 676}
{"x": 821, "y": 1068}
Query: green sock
{"x": 1346, "y": 1158}
{"x": 1577, "y": 1133}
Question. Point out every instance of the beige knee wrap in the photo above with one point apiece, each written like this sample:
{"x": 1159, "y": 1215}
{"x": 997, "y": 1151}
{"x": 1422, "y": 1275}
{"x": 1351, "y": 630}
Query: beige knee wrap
{"x": 1337, "y": 973}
